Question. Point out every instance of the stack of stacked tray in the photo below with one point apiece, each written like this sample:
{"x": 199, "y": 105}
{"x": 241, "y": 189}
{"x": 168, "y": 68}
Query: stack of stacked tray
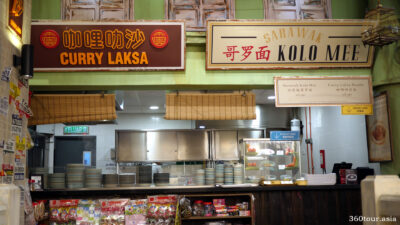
{"x": 57, "y": 180}
{"x": 42, "y": 171}
{"x": 110, "y": 180}
{"x": 145, "y": 175}
{"x": 228, "y": 174}
{"x": 200, "y": 178}
{"x": 92, "y": 178}
{"x": 210, "y": 176}
{"x": 238, "y": 173}
{"x": 75, "y": 175}
{"x": 126, "y": 180}
{"x": 161, "y": 179}
{"x": 219, "y": 174}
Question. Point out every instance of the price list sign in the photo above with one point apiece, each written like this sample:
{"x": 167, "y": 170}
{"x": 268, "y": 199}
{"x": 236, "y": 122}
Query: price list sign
{"x": 322, "y": 91}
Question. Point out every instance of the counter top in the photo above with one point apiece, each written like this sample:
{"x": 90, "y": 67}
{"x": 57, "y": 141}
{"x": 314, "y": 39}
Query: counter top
{"x": 49, "y": 193}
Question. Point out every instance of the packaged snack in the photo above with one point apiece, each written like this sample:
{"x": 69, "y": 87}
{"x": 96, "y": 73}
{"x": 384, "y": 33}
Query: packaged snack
{"x": 113, "y": 211}
{"x": 161, "y": 209}
{"x": 135, "y": 212}
{"x": 88, "y": 212}
{"x": 63, "y": 211}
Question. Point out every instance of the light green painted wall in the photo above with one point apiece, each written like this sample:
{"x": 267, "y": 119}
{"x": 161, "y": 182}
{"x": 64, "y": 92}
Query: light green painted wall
{"x": 353, "y": 9}
{"x": 46, "y": 9}
{"x": 249, "y": 9}
{"x": 149, "y": 10}
{"x": 386, "y": 77}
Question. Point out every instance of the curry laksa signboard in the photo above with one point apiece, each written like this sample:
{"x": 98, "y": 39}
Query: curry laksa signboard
{"x": 105, "y": 46}
{"x": 287, "y": 44}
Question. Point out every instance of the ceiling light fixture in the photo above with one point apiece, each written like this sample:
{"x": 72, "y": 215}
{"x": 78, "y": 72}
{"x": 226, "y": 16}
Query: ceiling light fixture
{"x": 153, "y": 107}
{"x": 271, "y": 97}
{"x": 202, "y": 127}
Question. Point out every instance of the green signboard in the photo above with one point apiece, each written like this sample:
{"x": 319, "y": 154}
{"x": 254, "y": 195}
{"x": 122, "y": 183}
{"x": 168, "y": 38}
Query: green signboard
{"x": 76, "y": 130}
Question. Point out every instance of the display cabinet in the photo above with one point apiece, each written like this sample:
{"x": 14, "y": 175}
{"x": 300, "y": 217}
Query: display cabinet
{"x": 276, "y": 162}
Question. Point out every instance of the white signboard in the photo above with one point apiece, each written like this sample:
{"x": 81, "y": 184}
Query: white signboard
{"x": 322, "y": 91}
{"x": 287, "y": 44}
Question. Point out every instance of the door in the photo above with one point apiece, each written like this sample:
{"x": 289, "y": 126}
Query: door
{"x": 71, "y": 150}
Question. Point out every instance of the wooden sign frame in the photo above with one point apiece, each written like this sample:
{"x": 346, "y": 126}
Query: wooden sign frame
{"x": 290, "y": 44}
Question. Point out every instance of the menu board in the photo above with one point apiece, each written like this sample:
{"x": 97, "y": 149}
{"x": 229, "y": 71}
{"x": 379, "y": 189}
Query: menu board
{"x": 322, "y": 91}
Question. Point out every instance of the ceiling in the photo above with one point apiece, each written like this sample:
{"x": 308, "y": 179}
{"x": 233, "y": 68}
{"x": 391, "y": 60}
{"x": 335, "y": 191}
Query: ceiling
{"x": 140, "y": 101}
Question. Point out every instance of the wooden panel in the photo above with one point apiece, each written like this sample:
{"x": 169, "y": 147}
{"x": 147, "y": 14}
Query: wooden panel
{"x": 189, "y": 14}
{"x": 112, "y": 14}
{"x": 97, "y": 9}
{"x": 83, "y": 2}
{"x": 196, "y": 12}
{"x": 302, "y": 9}
{"x": 279, "y": 14}
{"x": 83, "y": 14}
{"x": 214, "y": 2}
{"x": 184, "y": 2}
{"x": 315, "y": 14}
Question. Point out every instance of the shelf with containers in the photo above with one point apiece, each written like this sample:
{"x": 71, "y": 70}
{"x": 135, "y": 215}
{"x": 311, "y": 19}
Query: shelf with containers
{"x": 217, "y": 208}
{"x": 272, "y": 162}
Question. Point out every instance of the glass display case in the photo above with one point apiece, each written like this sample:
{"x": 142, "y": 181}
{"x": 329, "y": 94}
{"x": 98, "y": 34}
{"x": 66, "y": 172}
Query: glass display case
{"x": 274, "y": 161}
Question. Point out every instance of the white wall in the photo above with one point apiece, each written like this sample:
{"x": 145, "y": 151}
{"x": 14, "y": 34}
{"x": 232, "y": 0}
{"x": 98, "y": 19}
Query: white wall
{"x": 342, "y": 136}
{"x": 105, "y": 134}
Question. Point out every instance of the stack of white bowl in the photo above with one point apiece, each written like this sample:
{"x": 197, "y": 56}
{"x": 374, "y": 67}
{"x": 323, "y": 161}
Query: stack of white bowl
{"x": 210, "y": 176}
{"x": 110, "y": 180}
{"x": 127, "y": 180}
{"x": 75, "y": 175}
{"x": 200, "y": 178}
{"x": 228, "y": 174}
{"x": 238, "y": 173}
{"x": 57, "y": 180}
{"x": 93, "y": 178}
{"x": 219, "y": 173}
{"x": 43, "y": 171}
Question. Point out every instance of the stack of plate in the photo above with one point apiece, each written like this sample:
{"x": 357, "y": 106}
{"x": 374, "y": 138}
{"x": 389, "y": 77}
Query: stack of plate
{"x": 145, "y": 175}
{"x": 161, "y": 179}
{"x": 238, "y": 173}
{"x": 200, "y": 178}
{"x": 92, "y": 178}
{"x": 43, "y": 171}
{"x": 75, "y": 175}
{"x": 228, "y": 174}
{"x": 219, "y": 174}
{"x": 57, "y": 180}
{"x": 210, "y": 176}
{"x": 110, "y": 180}
{"x": 126, "y": 180}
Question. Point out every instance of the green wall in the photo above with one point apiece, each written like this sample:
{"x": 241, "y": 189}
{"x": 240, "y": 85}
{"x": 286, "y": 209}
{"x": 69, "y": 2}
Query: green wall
{"x": 149, "y": 10}
{"x": 46, "y": 9}
{"x": 386, "y": 77}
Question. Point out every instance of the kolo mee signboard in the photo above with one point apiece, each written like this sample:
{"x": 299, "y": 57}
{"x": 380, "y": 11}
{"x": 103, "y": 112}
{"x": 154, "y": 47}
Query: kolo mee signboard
{"x": 105, "y": 46}
{"x": 287, "y": 44}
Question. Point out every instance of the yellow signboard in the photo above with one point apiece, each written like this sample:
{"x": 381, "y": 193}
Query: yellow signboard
{"x": 357, "y": 109}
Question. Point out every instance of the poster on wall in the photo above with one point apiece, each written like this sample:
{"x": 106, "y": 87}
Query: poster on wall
{"x": 287, "y": 44}
{"x": 108, "y": 46}
{"x": 379, "y": 131}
